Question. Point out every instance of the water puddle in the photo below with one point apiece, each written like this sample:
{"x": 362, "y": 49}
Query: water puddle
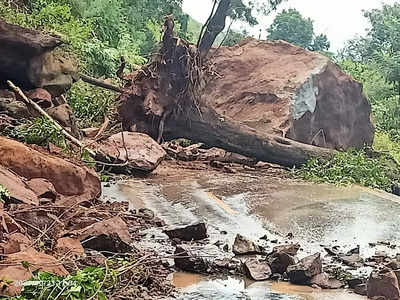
{"x": 232, "y": 288}
{"x": 255, "y": 206}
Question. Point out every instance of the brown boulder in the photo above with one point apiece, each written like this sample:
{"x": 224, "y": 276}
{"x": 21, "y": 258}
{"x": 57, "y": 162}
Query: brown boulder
{"x": 243, "y": 246}
{"x": 16, "y": 242}
{"x": 110, "y": 235}
{"x": 137, "y": 150}
{"x": 19, "y": 266}
{"x": 323, "y": 281}
{"x": 186, "y": 260}
{"x": 19, "y": 190}
{"x": 68, "y": 246}
{"x": 305, "y": 270}
{"x": 282, "y": 89}
{"x": 41, "y": 97}
{"x": 256, "y": 270}
{"x": 27, "y": 60}
{"x": 192, "y": 232}
{"x": 12, "y": 107}
{"x": 282, "y": 257}
{"x": 43, "y": 188}
{"x": 69, "y": 180}
{"x": 383, "y": 283}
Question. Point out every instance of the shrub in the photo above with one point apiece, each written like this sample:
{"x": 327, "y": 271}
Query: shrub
{"x": 40, "y": 132}
{"x": 351, "y": 167}
{"x": 90, "y": 104}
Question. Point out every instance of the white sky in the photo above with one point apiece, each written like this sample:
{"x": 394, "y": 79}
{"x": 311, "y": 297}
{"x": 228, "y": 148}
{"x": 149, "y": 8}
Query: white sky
{"x": 340, "y": 20}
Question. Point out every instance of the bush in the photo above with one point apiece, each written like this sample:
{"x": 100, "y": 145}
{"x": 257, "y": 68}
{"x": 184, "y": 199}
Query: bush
{"x": 90, "y": 104}
{"x": 40, "y": 132}
{"x": 351, "y": 167}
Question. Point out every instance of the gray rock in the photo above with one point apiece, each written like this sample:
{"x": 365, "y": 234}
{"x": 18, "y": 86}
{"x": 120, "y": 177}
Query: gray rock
{"x": 243, "y": 246}
{"x": 192, "y": 232}
{"x": 257, "y": 270}
{"x": 305, "y": 270}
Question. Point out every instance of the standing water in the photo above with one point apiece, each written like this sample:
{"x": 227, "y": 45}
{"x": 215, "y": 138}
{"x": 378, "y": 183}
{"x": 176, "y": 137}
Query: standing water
{"x": 254, "y": 205}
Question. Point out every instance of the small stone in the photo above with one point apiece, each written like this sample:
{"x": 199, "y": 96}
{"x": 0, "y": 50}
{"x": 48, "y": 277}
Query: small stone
{"x": 192, "y": 232}
{"x": 256, "y": 270}
{"x": 243, "y": 246}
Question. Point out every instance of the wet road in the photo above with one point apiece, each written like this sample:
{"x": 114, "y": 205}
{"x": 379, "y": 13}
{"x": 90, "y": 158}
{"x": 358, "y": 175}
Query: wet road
{"x": 254, "y": 205}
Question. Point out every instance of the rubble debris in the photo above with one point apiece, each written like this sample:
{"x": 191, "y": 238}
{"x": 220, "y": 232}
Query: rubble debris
{"x": 257, "y": 270}
{"x": 186, "y": 261}
{"x": 243, "y": 246}
{"x": 305, "y": 270}
{"x": 132, "y": 151}
{"x": 323, "y": 281}
{"x": 194, "y": 232}
{"x": 383, "y": 283}
{"x": 73, "y": 182}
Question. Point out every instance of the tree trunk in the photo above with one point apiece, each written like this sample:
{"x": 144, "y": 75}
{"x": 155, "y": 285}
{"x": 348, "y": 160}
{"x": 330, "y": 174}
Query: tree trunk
{"x": 214, "y": 27}
{"x": 217, "y": 131}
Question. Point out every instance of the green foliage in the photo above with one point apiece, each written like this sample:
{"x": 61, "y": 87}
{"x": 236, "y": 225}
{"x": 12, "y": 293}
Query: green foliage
{"x": 351, "y": 167}
{"x": 40, "y": 132}
{"x": 291, "y": 26}
{"x": 384, "y": 143}
{"x": 234, "y": 37}
{"x": 84, "y": 284}
{"x": 4, "y": 193}
{"x": 89, "y": 103}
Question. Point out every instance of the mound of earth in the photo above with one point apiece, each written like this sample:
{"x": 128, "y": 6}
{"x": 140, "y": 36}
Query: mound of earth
{"x": 285, "y": 90}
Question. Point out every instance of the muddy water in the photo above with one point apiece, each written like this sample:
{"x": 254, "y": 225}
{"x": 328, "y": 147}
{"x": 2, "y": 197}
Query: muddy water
{"x": 254, "y": 206}
{"x": 199, "y": 288}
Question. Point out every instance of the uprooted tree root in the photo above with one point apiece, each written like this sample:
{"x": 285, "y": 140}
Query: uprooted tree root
{"x": 168, "y": 87}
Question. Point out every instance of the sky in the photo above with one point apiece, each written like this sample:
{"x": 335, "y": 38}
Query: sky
{"x": 340, "y": 20}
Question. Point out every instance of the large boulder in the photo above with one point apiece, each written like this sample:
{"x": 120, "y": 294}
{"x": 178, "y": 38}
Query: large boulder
{"x": 133, "y": 151}
{"x": 71, "y": 181}
{"x": 282, "y": 89}
{"x": 26, "y": 58}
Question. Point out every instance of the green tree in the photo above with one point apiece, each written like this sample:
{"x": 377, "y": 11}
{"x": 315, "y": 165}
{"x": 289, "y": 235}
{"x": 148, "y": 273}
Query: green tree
{"x": 245, "y": 11}
{"x": 291, "y": 26}
{"x": 383, "y": 41}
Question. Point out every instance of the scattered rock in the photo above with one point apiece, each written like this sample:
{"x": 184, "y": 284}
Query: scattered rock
{"x": 352, "y": 283}
{"x": 68, "y": 246}
{"x": 352, "y": 260}
{"x": 305, "y": 270}
{"x": 257, "y": 270}
{"x": 383, "y": 283}
{"x": 41, "y": 97}
{"x": 361, "y": 289}
{"x": 243, "y": 246}
{"x": 185, "y": 260}
{"x": 43, "y": 188}
{"x": 192, "y": 232}
{"x": 323, "y": 281}
{"x": 282, "y": 257}
{"x": 110, "y": 236}
{"x": 18, "y": 188}
{"x": 12, "y": 107}
{"x": 64, "y": 115}
{"x": 71, "y": 181}
{"x": 139, "y": 150}
{"x": 19, "y": 266}
{"x": 16, "y": 242}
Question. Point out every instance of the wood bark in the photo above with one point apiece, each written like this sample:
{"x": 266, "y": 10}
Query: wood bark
{"x": 215, "y": 130}
{"x": 100, "y": 83}
{"x": 215, "y": 26}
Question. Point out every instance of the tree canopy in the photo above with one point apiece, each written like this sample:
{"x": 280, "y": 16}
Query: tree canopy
{"x": 291, "y": 26}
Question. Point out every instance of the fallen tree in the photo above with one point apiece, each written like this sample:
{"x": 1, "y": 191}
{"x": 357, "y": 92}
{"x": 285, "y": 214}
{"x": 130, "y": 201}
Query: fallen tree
{"x": 164, "y": 99}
